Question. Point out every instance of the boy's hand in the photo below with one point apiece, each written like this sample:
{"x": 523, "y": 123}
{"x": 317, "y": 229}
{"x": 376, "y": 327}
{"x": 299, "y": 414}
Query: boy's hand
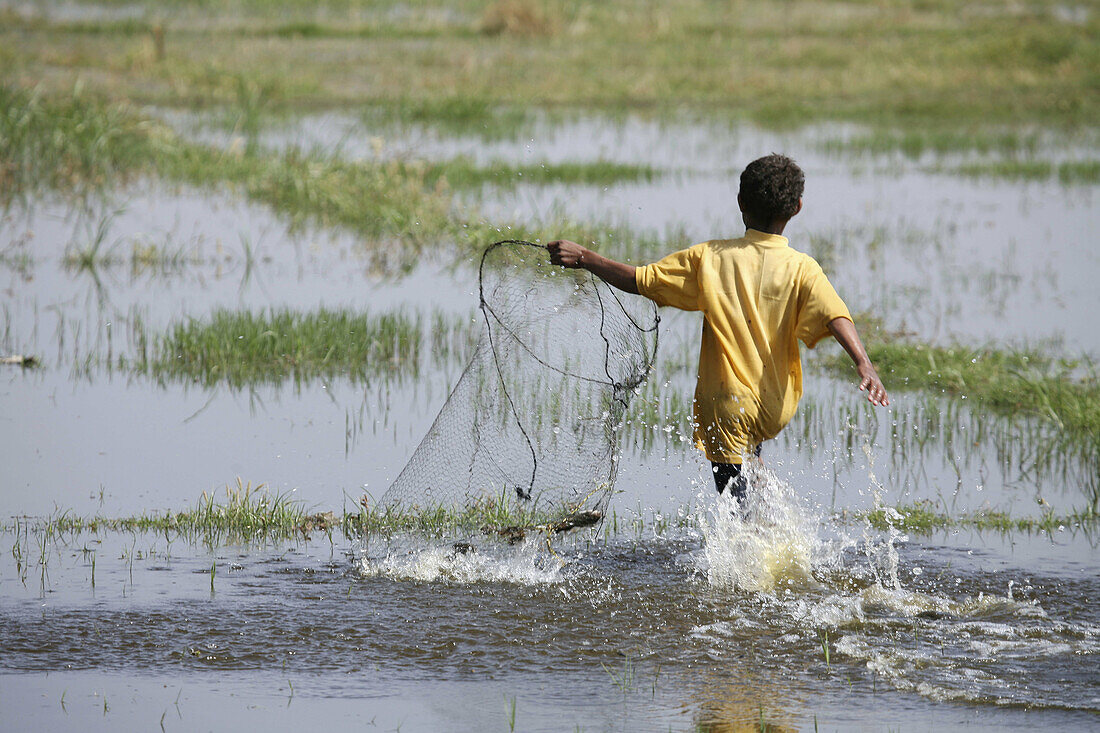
{"x": 845, "y": 332}
{"x": 869, "y": 382}
{"x": 566, "y": 253}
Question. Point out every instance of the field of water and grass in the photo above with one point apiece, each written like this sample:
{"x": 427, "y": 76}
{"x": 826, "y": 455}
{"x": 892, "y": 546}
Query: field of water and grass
{"x": 239, "y": 247}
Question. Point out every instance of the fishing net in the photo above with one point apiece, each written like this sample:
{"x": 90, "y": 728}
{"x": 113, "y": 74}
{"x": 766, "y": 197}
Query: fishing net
{"x": 536, "y": 415}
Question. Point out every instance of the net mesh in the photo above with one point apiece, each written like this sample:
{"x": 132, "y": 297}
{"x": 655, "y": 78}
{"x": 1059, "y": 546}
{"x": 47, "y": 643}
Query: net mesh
{"x": 537, "y": 412}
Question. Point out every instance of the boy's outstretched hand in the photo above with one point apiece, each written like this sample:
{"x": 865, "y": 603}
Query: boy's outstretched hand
{"x": 845, "y": 332}
{"x": 869, "y": 382}
{"x": 566, "y": 253}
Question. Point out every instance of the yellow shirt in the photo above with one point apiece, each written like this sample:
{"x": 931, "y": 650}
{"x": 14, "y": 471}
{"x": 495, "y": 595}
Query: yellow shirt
{"x": 758, "y": 297}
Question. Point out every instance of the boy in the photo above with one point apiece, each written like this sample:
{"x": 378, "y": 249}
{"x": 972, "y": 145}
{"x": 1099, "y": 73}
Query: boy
{"x": 758, "y": 297}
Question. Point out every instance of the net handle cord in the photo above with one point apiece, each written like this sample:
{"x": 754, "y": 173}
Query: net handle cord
{"x": 488, "y": 312}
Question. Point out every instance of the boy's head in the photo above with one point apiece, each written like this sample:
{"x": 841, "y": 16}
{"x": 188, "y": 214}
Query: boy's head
{"x": 771, "y": 190}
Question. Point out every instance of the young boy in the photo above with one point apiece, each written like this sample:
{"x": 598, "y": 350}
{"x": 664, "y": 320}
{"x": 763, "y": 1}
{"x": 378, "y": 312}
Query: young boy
{"x": 758, "y": 297}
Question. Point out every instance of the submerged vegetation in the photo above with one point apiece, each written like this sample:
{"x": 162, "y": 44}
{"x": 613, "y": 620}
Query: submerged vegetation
{"x": 77, "y": 145}
{"x": 80, "y": 145}
{"x": 1064, "y": 391}
{"x": 1069, "y": 172}
{"x": 465, "y": 173}
{"x": 248, "y": 513}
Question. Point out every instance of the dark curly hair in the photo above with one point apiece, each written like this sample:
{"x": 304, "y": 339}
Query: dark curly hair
{"x": 771, "y": 187}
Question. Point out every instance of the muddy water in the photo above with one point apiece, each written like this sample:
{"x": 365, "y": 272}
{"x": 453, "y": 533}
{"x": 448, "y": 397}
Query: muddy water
{"x": 721, "y": 621}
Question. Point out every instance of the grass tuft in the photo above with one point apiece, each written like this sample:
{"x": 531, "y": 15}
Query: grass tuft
{"x": 246, "y": 348}
{"x": 922, "y": 518}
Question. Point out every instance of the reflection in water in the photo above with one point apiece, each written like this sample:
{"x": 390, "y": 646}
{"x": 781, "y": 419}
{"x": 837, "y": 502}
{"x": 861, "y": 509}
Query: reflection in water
{"x": 747, "y": 703}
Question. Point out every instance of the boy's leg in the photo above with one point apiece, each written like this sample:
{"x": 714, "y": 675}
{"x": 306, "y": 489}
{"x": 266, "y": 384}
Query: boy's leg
{"x": 730, "y": 475}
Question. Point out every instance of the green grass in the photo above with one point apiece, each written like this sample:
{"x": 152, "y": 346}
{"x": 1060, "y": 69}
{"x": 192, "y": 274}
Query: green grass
{"x": 890, "y": 63}
{"x": 71, "y": 142}
{"x": 255, "y": 514}
{"x": 1066, "y": 392}
{"x": 938, "y": 140}
{"x": 74, "y": 144}
{"x": 247, "y": 348}
{"x": 247, "y": 513}
{"x": 500, "y": 513}
{"x": 921, "y": 518}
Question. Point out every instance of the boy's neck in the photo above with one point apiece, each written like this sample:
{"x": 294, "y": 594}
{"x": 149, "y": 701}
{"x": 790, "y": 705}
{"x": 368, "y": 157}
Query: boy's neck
{"x": 776, "y": 227}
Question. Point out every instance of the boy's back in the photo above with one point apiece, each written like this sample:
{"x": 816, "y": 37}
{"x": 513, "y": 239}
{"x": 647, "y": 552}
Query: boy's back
{"x": 758, "y": 297}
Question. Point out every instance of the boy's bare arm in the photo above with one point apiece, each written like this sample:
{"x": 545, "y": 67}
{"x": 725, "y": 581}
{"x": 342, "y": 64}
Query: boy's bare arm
{"x": 570, "y": 254}
{"x": 845, "y": 332}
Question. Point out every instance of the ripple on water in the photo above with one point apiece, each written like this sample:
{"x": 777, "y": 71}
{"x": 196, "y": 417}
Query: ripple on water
{"x": 944, "y": 642}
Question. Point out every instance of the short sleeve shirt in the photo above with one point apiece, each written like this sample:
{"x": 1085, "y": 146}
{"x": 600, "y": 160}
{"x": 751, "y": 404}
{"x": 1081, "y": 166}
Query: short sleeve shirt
{"x": 759, "y": 298}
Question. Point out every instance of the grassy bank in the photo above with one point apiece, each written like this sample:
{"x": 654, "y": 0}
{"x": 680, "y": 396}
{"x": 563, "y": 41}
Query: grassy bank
{"x": 887, "y": 62}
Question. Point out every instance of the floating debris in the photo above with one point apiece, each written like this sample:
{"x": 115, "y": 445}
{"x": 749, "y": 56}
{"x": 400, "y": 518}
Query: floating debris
{"x": 19, "y": 360}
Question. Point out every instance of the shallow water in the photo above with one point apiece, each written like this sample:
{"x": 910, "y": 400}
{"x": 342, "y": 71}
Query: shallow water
{"x": 333, "y": 440}
{"x": 623, "y": 633}
{"x": 719, "y": 622}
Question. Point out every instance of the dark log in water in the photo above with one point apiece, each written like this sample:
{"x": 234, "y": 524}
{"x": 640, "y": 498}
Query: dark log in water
{"x": 516, "y": 534}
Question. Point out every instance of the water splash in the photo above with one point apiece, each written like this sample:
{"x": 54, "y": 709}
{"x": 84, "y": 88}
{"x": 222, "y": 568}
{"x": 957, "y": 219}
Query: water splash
{"x": 769, "y": 543}
{"x": 881, "y": 550}
{"x": 527, "y": 563}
